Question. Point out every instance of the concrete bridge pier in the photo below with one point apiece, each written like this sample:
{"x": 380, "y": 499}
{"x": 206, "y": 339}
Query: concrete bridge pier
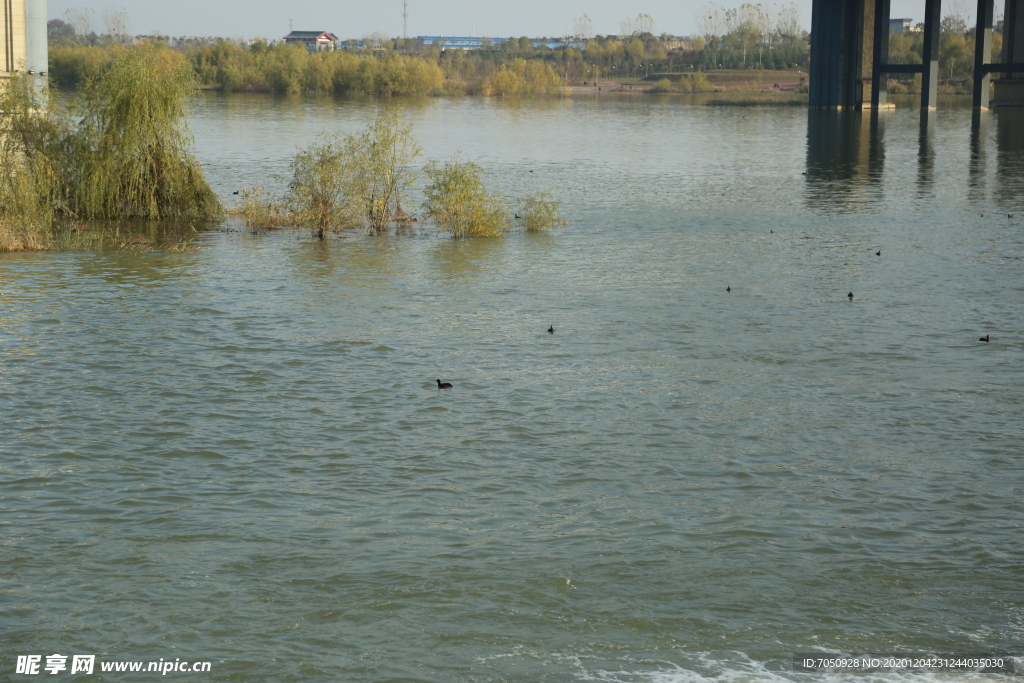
{"x": 842, "y": 33}
{"x": 850, "y": 49}
{"x": 983, "y": 54}
{"x": 929, "y": 68}
{"x": 879, "y": 82}
{"x": 930, "y": 54}
{"x": 23, "y": 37}
{"x": 1009, "y": 90}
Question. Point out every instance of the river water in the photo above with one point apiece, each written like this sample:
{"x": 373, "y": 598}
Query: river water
{"x": 239, "y": 453}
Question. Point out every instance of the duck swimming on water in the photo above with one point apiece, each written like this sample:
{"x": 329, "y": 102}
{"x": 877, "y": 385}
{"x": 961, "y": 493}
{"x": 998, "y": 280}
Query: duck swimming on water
{"x": 551, "y": 330}
{"x": 443, "y": 385}
{"x": 985, "y": 338}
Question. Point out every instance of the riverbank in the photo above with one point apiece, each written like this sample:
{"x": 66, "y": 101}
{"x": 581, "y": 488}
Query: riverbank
{"x": 289, "y": 69}
{"x": 722, "y": 97}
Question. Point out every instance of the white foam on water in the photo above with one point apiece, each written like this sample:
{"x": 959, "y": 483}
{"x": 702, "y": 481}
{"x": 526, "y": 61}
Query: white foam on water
{"x": 734, "y": 667}
{"x": 746, "y": 670}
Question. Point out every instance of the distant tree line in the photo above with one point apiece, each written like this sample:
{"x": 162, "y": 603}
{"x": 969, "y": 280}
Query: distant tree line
{"x": 380, "y": 65}
{"x": 280, "y": 68}
{"x": 750, "y": 36}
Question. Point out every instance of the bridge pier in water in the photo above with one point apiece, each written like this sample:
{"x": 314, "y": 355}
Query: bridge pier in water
{"x": 850, "y": 48}
{"x": 23, "y": 37}
{"x": 1009, "y": 90}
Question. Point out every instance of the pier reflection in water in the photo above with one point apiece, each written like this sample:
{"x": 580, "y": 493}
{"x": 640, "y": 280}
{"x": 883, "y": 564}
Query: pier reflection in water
{"x": 846, "y": 157}
{"x": 925, "y": 154}
{"x": 977, "y": 171}
{"x": 1010, "y": 143}
{"x": 1008, "y": 128}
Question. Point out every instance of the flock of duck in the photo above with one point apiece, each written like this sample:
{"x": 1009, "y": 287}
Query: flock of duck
{"x": 551, "y": 329}
{"x": 879, "y": 253}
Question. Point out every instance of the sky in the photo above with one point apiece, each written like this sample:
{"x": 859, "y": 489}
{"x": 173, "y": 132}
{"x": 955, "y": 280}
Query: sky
{"x": 351, "y": 19}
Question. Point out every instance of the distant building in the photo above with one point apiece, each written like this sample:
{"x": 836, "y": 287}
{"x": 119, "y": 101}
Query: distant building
{"x": 900, "y": 25}
{"x": 676, "y": 43}
{"x": 475, "y": 43}
{"x": 313, "y": 40}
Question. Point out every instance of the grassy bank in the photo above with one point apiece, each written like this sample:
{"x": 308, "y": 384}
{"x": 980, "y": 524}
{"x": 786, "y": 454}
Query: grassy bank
{"x": 767, "y": 100}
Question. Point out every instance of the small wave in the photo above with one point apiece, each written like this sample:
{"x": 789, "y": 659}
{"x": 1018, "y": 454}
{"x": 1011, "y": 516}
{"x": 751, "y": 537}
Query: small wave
{"x": 742, "y": 669}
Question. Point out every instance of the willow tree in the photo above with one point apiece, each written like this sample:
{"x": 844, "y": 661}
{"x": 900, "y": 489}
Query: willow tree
{"x": 35, "y": 139}
{"x": 136, "y": 160}
{"x": 34, "y": 134}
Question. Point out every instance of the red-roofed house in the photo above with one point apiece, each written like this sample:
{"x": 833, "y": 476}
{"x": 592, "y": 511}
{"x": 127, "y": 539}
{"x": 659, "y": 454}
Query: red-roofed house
{"x": 313, "y": 40}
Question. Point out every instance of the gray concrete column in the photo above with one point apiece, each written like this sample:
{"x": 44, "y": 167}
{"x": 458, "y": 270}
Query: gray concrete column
{"x": 983, "y": 53}
{"x": 879, "y": 80}
{"x": 1009, "y": 86}
{"x": 1013, "y": 35}
{"x": 837, "y": 53}
{"x": 930, "y": 65}
{"x": 12, "y": 36}
{"x": 36, "y": 50}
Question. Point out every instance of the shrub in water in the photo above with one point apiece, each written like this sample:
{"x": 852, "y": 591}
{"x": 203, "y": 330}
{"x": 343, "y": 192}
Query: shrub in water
{"x": 458, "y": 202}
{"x": 324, "y": 188}
{"x": 386, "y": 152}
{"x": 539, "y": 211}
{"x": 355, "y": 180}
{"x": 259, "y": 210}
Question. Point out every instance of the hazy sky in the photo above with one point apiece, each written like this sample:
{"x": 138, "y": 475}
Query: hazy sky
{"x": 351, "y": 19}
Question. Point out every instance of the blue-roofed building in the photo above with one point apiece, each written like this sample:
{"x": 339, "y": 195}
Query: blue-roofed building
{"x": 900, "y": 25}
{"x": 476, "y": 43}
